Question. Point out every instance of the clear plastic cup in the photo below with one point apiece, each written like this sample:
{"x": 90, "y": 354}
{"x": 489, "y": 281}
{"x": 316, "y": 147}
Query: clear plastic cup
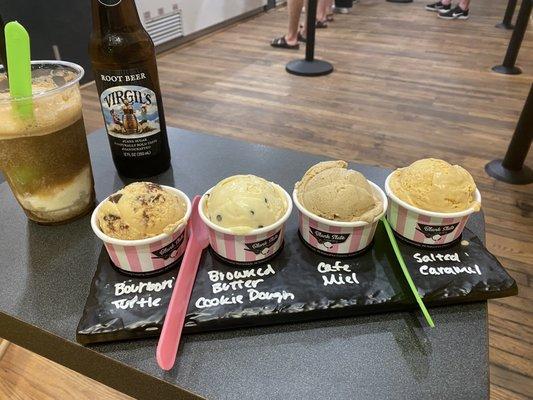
{"x": 43, "y": 146}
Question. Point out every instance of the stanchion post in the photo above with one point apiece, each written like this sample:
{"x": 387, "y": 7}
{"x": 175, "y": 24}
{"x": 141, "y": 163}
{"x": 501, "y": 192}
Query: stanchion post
{"x": 508, "y": 67}
{"x": 508, "y": 16}
{"x": 512, "y": 169}
{"x": 311, "y": 30}
{"x": 309, "y": 66}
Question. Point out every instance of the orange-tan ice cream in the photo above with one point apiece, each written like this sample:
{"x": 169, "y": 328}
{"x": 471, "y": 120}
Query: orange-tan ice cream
{"x": 332, "y": 191}
{"x": 435, "y": 185}
{"x": 141, "y": 210}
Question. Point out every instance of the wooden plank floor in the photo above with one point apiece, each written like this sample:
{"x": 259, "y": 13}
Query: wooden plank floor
{"x": 24, "y": 376}
{"x": 406, "y": 85}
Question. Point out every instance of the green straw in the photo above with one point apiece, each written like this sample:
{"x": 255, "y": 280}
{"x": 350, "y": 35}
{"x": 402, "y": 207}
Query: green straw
{"x": 405, "y": 271}
{"x": 19, "y": 65}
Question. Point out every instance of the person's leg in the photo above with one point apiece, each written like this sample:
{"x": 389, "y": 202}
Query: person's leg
{"x": 322, "y": 10}
{"x": 302, "y": 33}
{"x": 464, "y": 4}
{"x": 329, "y": 10}
{"x": 295, "y": 9}
{"x": 330, "y": 6}
{"x": 290, "y": 40}
{"x": 460, "y": 11}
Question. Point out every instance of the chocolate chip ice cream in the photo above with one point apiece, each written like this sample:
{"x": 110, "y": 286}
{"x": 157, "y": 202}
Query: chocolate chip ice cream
{"x": 243, "y": 203}
{"x": 141, "y": 210}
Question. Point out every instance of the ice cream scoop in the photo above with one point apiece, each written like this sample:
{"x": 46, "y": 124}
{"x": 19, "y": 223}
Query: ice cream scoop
{"x": 242, "y": 203}
{"x": 435, "y": 185}
{"x": 332, "y": 191}
{"x": 141, "y": 210}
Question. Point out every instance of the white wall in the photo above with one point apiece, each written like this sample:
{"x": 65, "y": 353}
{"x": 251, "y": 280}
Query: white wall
{"x": 200, "y": 14}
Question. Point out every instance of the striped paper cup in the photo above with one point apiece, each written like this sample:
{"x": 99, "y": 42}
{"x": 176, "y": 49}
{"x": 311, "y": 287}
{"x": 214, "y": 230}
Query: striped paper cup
{"x": 425, "y": 228}
{"x": 337, "y": 237}
{"x": 146, "y": 256}
{"x": 255, "y": 247}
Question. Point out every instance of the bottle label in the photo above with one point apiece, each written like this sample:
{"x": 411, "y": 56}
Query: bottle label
{"x": 109, "y": 3}
{"x": 131, "y": 113}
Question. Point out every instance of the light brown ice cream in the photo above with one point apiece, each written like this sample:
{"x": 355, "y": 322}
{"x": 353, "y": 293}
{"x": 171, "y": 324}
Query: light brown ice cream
{"x": 141, "y": 210}
{"x": 435, "y": 185}
{"x": 331, "y": 191}
{"x": 243, "y": 203}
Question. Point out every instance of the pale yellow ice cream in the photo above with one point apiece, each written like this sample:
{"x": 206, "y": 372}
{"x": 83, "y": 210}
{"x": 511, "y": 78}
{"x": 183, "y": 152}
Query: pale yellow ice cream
{"x": 332, "y": 191}
{"x": 242, "y": 203}
{"x": 435, "y": 185}
{"x": 141, "y": 210}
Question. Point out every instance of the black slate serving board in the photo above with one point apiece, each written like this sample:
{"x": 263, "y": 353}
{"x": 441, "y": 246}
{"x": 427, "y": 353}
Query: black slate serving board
{"x": 298, "y": 284}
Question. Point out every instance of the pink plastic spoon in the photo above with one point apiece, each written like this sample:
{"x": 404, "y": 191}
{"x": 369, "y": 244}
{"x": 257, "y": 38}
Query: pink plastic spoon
{"x": 169, "y": 340}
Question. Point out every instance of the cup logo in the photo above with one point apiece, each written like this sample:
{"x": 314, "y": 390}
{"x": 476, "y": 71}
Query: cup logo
{"x": 170, "y": 249}
{"x": 328, "y": 239}
{"x": 109, "y": 3}
{"x": 262, "y": 246}
{"x": 435, "y": 232}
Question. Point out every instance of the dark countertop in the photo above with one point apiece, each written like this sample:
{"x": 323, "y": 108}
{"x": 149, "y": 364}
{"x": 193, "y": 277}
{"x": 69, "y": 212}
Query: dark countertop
{"x": 46, "y": 273}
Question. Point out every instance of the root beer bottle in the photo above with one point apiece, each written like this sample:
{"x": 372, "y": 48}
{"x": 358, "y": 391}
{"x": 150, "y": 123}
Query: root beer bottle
{"x": 123, "y": 60}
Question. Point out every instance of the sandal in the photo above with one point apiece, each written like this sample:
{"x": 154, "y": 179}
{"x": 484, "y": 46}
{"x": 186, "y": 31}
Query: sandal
{"x": 321, "y": 24}
{"x": 302, "y": 38}
{"x": 281, "y": 43}
{"x": 330, "y": 18}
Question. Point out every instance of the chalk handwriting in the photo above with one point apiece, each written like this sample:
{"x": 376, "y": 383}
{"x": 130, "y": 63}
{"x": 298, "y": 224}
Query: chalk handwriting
{"x": 138, "y": 288}
{"x": 235, "y": 285}
{"x": 149, "y": 302}
{"x": 453, "y": 270}
{"x": 431, "y": 257}
{"x": 127, "y": 288}
{"x": 337, "y": 274}
{"x": 216, "y": 276}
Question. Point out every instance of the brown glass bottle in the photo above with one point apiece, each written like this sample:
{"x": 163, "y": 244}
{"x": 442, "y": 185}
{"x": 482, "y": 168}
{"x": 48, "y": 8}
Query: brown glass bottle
{"x": 125, "y": 70}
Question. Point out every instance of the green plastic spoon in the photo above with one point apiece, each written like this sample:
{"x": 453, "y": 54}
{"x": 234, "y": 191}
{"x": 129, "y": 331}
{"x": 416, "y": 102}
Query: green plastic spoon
{"x": 19, "y": 66}
{"x": 405, "y": 271}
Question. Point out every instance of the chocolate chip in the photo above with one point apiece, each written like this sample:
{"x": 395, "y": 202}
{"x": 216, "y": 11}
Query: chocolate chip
{"x": 266, "y": 201}
{"x": 219, "y": 217}
{"x": 142, "y": 200}
{"x": 152, "y": 187}
{"x": 111, "y": 217}
{"x": 115, "y": 198}
{"x": 159, "y": 198}
{"x": 259, "y": 226}
{"x": 252, "y": 212}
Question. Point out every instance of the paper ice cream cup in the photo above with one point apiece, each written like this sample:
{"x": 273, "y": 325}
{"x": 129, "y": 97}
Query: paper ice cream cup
{"x": 146, "y": 256}
{"x": 255, "y": 247}
{"x": 337, "y": 237}
{"x": 425, "y": 228}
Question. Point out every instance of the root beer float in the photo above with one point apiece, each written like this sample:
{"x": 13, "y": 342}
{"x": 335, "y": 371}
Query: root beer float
{"x": 44, "y": 154}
